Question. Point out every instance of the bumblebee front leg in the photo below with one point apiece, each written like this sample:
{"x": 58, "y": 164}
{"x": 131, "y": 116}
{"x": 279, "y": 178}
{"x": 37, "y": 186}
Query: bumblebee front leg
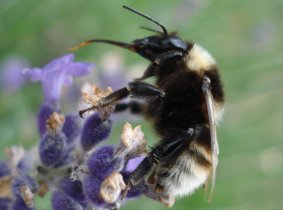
{"x": 149, "y": 72}
{"x": 133, "y": 106}
{"x": 136, "y": 89}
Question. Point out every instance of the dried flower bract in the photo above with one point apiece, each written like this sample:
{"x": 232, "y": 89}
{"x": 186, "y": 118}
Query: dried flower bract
{"x": 55, "y": 121}
{"x": 112, "y": 187}
{"x": 133, "y": 142}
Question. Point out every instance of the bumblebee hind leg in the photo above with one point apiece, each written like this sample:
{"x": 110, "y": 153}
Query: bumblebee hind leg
{"x": 159, "y": 154}
{"x": 159, "y": 196}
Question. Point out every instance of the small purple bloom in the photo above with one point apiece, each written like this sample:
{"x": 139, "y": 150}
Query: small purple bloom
{"x": 94, "y": 131}
{"x": 61, "y": 200}
{"x": 11, "y": 74}
{"x": 134, "y": 163}
{"x": 57, "y": 73}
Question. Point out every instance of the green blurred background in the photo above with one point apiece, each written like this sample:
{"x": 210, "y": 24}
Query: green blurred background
{"x": 244, "y": 36}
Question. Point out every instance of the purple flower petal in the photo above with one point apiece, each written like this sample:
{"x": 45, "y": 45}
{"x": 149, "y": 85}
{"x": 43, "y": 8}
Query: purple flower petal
{"x": 80, "y": 69}
{"x": 57, "y": 73}
{"x": 134, "y": 163}
{"x": 34, "y": 74}
{"x": 57, "y": 63}
{"x": 68, "y": 81}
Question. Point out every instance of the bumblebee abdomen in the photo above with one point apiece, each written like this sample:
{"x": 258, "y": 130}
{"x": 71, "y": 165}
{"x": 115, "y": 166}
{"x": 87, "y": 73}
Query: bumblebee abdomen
{"x": 190, "y": 170}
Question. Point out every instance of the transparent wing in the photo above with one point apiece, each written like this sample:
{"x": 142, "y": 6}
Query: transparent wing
{"x": 213, "y": 135}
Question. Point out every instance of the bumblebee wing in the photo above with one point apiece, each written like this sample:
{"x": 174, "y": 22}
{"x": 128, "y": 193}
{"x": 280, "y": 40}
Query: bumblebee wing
{"x": 213, "y": 135}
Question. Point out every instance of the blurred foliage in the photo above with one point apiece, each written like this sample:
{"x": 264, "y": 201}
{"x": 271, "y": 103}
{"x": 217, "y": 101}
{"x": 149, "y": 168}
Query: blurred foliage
{"x": 244, "y": 36}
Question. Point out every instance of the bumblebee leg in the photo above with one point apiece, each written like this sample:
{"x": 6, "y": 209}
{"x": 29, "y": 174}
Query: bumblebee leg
{"x": 159, "y": 196}
{"x": 139, "y": 90}
{"x": 133, "y": 106}
{"x": 149, "y": 72}
{"x": 136, "y": 89}
{"x": 170, "y": 55}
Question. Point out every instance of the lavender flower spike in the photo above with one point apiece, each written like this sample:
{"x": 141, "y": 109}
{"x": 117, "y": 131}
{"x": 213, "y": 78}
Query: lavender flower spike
{"x": 53, "y": 144}
{"x": 57, "y": 73}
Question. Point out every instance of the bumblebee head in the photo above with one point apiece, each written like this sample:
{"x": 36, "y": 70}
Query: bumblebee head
{"x": 151, "y": 47}
{"x": 154, "y": 47}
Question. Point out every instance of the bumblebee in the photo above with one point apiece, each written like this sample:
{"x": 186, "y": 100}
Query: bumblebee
{"x": 184, "y": 105}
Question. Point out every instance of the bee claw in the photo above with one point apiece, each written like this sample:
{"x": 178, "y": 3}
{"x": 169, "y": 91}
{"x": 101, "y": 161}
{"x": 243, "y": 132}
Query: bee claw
{"x": 81, "y": 112}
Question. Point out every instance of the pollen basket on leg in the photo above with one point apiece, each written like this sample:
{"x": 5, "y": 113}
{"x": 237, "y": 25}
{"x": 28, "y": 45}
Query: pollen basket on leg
{"x": 198, "y": 59}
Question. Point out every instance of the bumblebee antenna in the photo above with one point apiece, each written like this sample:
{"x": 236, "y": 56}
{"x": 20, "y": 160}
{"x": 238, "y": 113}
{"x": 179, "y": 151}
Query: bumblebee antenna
{"x": 147, "y": 17}
{"x": 150, "y": 29}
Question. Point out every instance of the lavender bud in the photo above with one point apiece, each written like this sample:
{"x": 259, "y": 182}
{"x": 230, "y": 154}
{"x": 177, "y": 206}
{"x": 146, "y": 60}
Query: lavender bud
{"x": 94, "y": 131}
{"x": 4, "y": 169}
{"x": 5, "y": 203}
{"x": 71, "y": 127}
{"x": 91, "y": 187}
{"x": 73, "y": 189}
{"x": 66, "y": 158}
{"x": 44, "y": 113}
{"x": 61, "y": 201}
{"x": 51, "y": 148}
{"x": 19, "y": 204}
{"x": 23, "y": 188}
{"x": 102, "y": 163}
{"x": 21, "y": 182}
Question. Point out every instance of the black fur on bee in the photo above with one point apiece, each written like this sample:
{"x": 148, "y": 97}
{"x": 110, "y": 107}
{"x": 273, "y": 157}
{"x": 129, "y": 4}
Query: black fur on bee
{"x": 184, "y": 105}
